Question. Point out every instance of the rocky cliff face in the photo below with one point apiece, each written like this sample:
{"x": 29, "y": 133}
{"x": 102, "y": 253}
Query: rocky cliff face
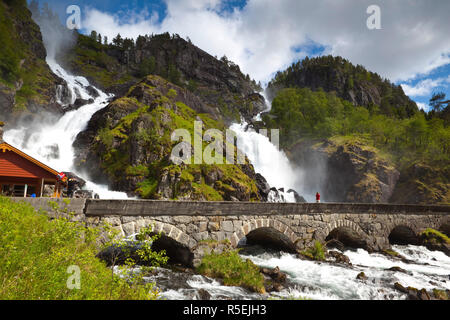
{"x": 218, "y": 83}
{"x": 128, "y": 145}
{"x": 346, "y": 171}
{"x": 422, "y": 183}
{"x": 27, "y": 85}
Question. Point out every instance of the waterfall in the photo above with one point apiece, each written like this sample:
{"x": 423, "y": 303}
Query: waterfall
{"x": 50, "y": 141}
{"x": 270, "y": 161}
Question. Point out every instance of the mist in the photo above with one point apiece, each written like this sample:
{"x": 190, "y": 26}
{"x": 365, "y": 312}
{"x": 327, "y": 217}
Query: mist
{"x": 57, "y": 38}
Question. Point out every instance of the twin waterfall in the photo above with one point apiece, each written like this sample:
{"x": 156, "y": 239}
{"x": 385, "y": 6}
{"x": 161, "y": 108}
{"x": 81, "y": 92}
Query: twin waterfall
{"x": 50, "y": 140}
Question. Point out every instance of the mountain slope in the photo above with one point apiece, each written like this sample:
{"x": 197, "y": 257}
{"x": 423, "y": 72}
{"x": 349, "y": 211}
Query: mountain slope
{"x": 116, "y": 66}
{"x": 352, "y": 83}
{"x": 352, "y": 153}
{"x": 27, "y": 85}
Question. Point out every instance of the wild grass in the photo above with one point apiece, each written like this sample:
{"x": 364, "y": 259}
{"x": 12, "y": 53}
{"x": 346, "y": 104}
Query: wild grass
{"x": 37, "y": 256}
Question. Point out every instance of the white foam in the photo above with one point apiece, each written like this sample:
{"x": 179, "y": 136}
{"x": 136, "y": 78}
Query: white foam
{"x": 51, "y": 141}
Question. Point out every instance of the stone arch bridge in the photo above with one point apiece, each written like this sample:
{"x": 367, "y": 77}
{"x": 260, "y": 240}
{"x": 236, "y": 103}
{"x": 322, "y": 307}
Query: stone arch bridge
{"x": 291, "y": 226}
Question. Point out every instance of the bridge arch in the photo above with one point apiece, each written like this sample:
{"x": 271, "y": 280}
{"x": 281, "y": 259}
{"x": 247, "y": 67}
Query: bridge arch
{"x": 267, "y": 232}
{"x": 346, "y": 232}
{"x": 178, "y": 244}
{"x": 403, "y": 234}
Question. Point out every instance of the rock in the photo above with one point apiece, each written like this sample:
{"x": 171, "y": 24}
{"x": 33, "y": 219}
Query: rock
{"x": 202, "y": 294}
{"x": 397, "y": 269}
{"x": 339, "y": 257}
{"x": 263, "y": 186}
{"x": 277, "y": 287}
{"x": 400, "y": 288}
{"x": 275, "y": 274}
{"x": 422, "y": 183}
{"x": 423, "y": 295}
{"x": 92, "y": 91}
{"x": 277, "y": 277}
{"x": 334, "y": 243}
{"x": 79, "y": 102}
{"x": 298, "y": 198}
{"x": 30, "y": 72}
{"x": 361, "y": 276}
{"x": 85, "y": 194}
{"x": 444, "y": 247}
{"x": 413, "y": 293}
{"x": 345, "y": 171}
{"x": 7, "y": 100}
{"x": 441, "y": 294}
{"x": 335, "y": 74}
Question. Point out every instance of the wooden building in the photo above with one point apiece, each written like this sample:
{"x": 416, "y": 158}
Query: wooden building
{"x": 23, "y": 176}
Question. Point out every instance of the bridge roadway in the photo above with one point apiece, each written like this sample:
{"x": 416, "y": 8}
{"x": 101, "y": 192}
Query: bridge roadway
{"x": 289, "y": 225}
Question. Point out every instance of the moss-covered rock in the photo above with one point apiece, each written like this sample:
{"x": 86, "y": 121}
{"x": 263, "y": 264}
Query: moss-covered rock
{"x": 435, "y": 240}
{"x": 423, "y": 183}
{"x": 128, "y": 145}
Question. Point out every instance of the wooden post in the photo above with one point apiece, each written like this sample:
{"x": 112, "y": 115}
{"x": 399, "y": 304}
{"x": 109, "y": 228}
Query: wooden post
{"x": 42, "y": 188}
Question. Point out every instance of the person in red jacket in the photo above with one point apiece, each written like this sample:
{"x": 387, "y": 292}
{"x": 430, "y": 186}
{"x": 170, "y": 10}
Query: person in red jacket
{"x": 318, "y": 197}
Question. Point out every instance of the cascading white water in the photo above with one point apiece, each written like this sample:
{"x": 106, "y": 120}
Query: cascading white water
{"x": 328, "y": 281}
{"x": 51, "y": 141}
{"x": 268, "y": 160}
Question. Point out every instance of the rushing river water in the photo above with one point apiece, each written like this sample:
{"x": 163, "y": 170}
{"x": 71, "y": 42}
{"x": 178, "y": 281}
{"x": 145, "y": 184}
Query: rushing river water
{"x": 323, "y": 280}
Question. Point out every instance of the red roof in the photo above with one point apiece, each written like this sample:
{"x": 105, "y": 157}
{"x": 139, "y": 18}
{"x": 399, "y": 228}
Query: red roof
{"x": 15, "y": 163}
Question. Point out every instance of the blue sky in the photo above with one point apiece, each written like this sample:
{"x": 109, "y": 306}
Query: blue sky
{"x": 412, "y": 48}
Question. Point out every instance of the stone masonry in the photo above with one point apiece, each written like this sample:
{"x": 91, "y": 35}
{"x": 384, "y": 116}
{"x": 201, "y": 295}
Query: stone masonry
{"x": 298, "y": 223}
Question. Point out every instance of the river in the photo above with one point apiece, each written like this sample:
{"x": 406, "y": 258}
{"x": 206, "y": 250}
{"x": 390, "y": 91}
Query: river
{"x": 323, "y": 280}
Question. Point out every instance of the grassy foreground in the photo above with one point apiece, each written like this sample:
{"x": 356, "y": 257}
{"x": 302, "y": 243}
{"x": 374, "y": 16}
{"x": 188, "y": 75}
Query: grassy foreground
{"x": 38, "y": 255}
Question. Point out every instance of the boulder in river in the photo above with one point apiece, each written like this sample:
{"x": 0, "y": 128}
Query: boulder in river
{"x": 361, "y": 276}
{"x": 203, "y": 294}
{"x": 339, "y": 257}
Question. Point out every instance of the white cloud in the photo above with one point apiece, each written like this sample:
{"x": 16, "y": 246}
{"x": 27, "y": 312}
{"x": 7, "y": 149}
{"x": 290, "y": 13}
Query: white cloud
{"x": 424, "y": 87}
{"x": 262, "y": 37}
{"x": 423, "y": 106}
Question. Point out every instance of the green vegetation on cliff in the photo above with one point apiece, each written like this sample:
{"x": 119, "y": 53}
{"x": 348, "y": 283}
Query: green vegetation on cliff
{"x": 132, "y": 144}
{"x": 90, "y": 58}
{"x": 418, "y": 146}
{"x": 352, "y": 83}
{"x": 302, "y": 113}
{"x": 37, "y": 252}
{"x": 23, "y": 69}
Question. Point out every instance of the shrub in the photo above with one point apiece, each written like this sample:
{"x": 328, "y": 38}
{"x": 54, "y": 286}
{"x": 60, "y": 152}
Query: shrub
{"x": 233, "y": 270}
{"x": 315, "y": 252}
{"x": 433, "y": 236}
{"x": 36, "y": 253}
